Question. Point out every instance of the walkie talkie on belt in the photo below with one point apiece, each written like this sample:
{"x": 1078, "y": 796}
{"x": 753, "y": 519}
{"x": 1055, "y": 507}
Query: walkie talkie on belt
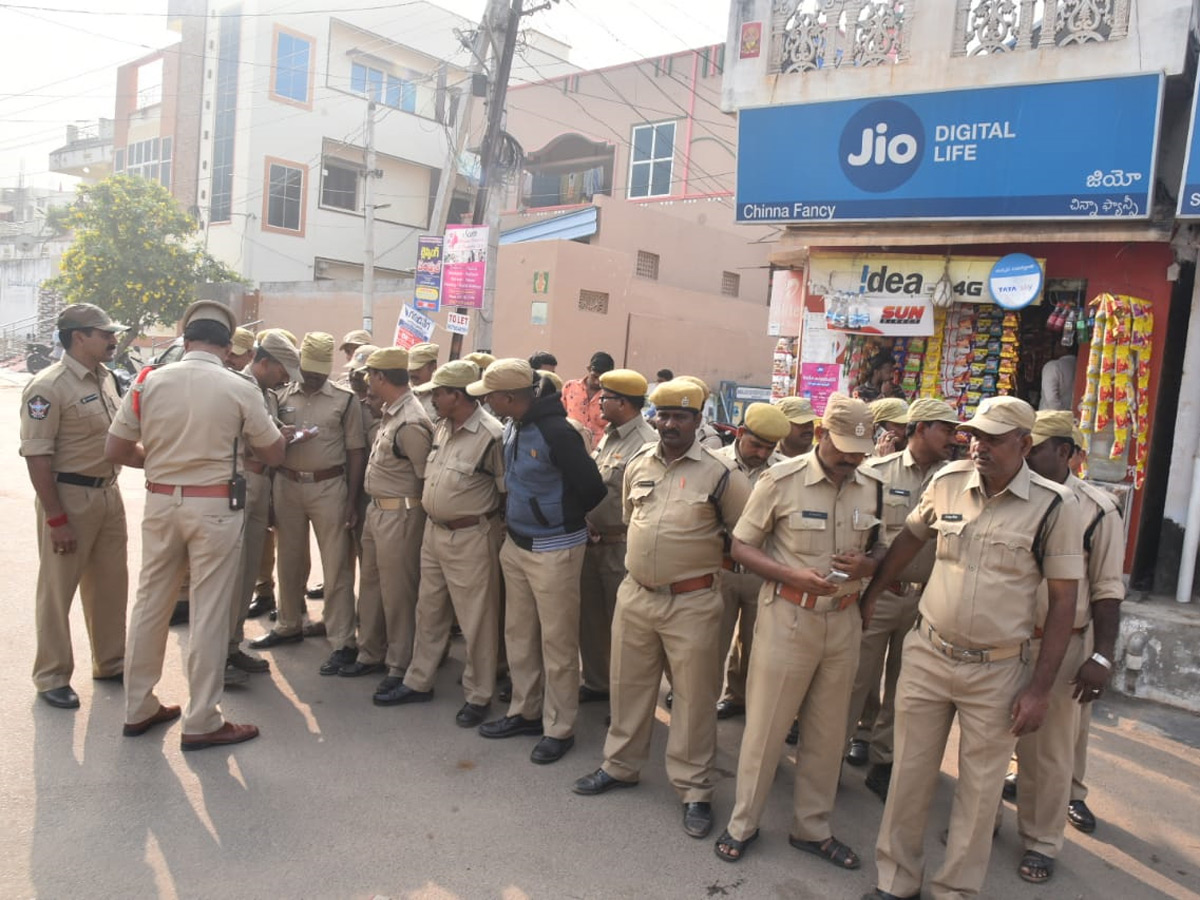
{"x": 237, "y": 484}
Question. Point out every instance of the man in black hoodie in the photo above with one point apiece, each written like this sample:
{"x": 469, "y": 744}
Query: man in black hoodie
{"x": 552, "y": 483}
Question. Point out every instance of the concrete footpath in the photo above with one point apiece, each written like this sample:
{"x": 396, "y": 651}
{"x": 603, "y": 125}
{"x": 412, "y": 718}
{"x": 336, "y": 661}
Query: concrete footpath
{"x": 339, "y": 799}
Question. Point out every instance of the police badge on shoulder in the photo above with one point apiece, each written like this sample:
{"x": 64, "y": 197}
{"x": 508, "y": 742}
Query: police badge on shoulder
{"x": 38, "y": 407}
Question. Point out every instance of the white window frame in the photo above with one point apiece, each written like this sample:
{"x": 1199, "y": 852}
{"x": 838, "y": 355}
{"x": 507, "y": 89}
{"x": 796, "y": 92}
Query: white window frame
{"x": 653, "y": 159}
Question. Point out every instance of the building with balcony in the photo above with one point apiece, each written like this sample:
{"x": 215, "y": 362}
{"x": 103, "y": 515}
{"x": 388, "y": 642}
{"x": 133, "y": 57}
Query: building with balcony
{"x": 88, "y": 152}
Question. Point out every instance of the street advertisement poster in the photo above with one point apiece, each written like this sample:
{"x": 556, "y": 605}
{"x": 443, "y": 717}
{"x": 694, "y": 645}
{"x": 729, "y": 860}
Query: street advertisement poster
{"x": 464, "y": 265}
{"x": 903, "y": 277}
{"x": 1189, "y": 196}
{"x": 1058, "y": 150}
{"x": 427, "y": 283}
{"x": 458, "y": 324}
{"x": 412, "y": 328}
{"x": 787, "y": 303}
{"x": 817, "y": 382}
{"x": 879, "y": 314}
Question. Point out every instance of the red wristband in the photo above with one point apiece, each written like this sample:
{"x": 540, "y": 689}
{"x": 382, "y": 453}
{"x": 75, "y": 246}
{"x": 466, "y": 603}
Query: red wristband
{"x": 57, "y": 521}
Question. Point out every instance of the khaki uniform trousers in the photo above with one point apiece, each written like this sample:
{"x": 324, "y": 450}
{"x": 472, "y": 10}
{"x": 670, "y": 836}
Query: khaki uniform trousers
{"x": 265, "y": 582}
{"x": 803, "y": 660}
{"x": 541, "y": 632}
{"x": 205, "y": 535}
{"x": 258, "y": 514}
{"x": 651, "y": 628}
{"x": 739, "y": 590}
{"x": 1047, "y": 758}
{"x": 603, "y": 572}
{"x": 1079, "y": 789}
{"x": 387, "y": 594}
{"x": 879, "y": 657}
{"x": 460, "y": 577}
{"x": 98, "y": 570}
{"x": 324, "y": 505}
{"x": 931, "y": 691}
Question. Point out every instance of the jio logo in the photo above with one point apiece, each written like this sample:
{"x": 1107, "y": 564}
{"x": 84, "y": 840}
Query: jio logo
{"x": 881, "y": 146}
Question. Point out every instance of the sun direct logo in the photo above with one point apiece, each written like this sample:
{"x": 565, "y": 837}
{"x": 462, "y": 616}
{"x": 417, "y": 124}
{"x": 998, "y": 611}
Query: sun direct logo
{"x": 881, "y": 146}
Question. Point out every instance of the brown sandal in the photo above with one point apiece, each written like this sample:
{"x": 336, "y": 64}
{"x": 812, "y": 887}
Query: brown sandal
{"x": 831, "y": 849}
{"x": 735, "y": 849}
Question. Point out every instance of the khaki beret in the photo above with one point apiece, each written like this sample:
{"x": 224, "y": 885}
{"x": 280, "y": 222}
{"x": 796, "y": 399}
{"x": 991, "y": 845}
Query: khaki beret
{"x": 458, "y": 373}
{"x": 359, "y": 359}
{"x": 680, "y": 393}
{"x": 553, "y": 377}
{"x": 1050, "y": 423}
{"x": 213, "y": 311}
{"x": 767, "y": 422}
{"x": 931, "y": 409}
{"x": 625, "y": 382}
{"x": 281, "y": 350}
{"x": 243, "y": 340}
{"x": 87, "y": 315}
{"x": 849, "y": 424}
{"x": 696, "y": 381}
{"x": 316, "y": 353}
{"x": 799, "y": 410}
{"x": 889, "y": 409}
{"x": 1000, "y": 415}
{"x": 481, "y": 359}
{"x": 388, "y": 358}
{"x": 509, "y": 374}
{"x": 355, "y": 338}
{"x": 422, "y": 354}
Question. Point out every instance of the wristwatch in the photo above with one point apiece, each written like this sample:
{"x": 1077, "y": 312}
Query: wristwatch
{"x": 1102, "y": 660}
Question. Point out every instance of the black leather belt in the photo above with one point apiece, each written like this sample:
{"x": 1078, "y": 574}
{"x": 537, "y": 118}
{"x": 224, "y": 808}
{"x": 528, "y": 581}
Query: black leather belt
{"x": 84, "y": 480}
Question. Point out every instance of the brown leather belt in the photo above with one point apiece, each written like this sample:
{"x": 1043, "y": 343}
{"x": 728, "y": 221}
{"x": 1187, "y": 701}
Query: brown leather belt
{"x": 729, "y": 564}
{"x": 313, "y": 477}
{"x": 699, "y": 583}
{"x": 256, "y": 466}
{"x": 810, "y": 601}
{"x": 189, "y": 490}
{"x": 969, "y": 654}
{"x": 1037, "y": 632}
{"x": 396, "y": 502}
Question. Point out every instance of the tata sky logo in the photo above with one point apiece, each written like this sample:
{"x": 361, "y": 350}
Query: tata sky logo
{"x": 882, "y": 146}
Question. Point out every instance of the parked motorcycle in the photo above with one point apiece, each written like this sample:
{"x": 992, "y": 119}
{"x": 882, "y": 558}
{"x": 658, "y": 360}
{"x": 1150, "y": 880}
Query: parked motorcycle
{"x": 37, "y": 357}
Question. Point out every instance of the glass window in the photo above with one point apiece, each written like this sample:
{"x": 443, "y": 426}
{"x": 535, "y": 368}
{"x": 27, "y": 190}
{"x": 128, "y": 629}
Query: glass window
{"x": 651, "y": 160}
{"x": 225, "y": 116}
{"x": 119, "y": 161}
{"x": 358, "y": 78}
{"x": 285, "y": 197}
{"x": 339, "y": 186}
{"x": 292, "y": 55}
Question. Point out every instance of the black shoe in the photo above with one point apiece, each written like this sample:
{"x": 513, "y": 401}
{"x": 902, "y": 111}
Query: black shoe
{"x": 793, "y": 735}
{"x": 471, "y": 715}
{"x": 389, "y": 684}
{"x": 510, "y": 726}
{"x": 401, "y": 693}
{"x": 358, "y": 669}
{"x": 118, "y": 677}
{"x": 260, "y": 605}
{"x": 315, "y": 593}
{"x": 337, "y": 659}
{"x": 273, "y": 639}
{"x": 252, "y": 665}
{"x": 591, "y": 695}
{"x": 877, "y": 894}
{"x": 857, "y": 754}
{"x": 179, "y": 616}
{"x": 61, "y": 697}
{"x": 727, "y": 709}
{"x": 879, "y": 779}
{"x": 669, "y": 700}
{"x": 455, "y": 631}
{"x": 273, "y": 615}
{"x": 697, "y": 819}
{"x": 1080, "y": 816}
{"x": 550, "y": 749}
{"x": 504, "y": 691}
{"x": 599, "y": 782}
{"x": 1010, "y": 787}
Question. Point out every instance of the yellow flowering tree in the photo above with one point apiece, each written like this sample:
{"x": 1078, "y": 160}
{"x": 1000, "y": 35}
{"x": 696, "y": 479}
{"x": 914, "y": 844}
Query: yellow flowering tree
{"x": 135, "y": 254}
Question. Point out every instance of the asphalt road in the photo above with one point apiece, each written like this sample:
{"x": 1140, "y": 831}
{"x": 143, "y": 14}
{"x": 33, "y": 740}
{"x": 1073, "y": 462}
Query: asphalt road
{"x": 340, "y": 799}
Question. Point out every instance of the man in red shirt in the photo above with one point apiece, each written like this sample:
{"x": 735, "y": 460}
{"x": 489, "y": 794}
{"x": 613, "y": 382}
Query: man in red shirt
{"x": 581, "y": 397}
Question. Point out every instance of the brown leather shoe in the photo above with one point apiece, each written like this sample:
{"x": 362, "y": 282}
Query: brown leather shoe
{"x": 226, "y": 734}
{"x": 164, "y": 714}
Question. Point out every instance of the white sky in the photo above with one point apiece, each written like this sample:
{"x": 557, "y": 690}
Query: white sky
{"x": 59, "y": 68}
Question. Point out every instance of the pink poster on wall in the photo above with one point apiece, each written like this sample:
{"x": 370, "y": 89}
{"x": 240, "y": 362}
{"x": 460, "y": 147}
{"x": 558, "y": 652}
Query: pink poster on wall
{"x": 817, "y": 382}
{"x": 464, "y": 265}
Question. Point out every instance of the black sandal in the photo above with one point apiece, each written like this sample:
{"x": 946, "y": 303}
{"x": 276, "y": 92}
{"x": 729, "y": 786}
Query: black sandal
{"x": 1036, "y": 868}
{"x": 830, "y": 849}
{"x": 735, "y": 849}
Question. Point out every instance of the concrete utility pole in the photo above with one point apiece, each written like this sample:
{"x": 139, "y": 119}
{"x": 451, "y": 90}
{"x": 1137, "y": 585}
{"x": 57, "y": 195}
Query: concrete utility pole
{"x": 369, "y": 176}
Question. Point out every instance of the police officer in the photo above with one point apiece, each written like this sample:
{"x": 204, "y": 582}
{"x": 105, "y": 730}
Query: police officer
{"x": 241, "y": 351}
{"x": 799, "y": 412}
{"x": 65, "y": 413}
{"x": 352, "y": 340}
{"x": 395, "y": 521}
{"x": 707, "y": 435}
{"x": 1048, "y": 756}
{"x": 422, "y": 361}
{"x": 319, "y": 482}
{"x": 275, "y": 363}
{"x": 1001, "y": 529}
{"x": 807, "y": 531}
{"x": 183, "y": 424}
{"x": 679, "y": 500}
{"x": 929, "y": 440}
{"x": 891, "y": 420}
{"x": 763, "y": 426}
{"x": 464, "y": 493}
{"x": 552, "y": 483}
{"x": 622, "y": 396}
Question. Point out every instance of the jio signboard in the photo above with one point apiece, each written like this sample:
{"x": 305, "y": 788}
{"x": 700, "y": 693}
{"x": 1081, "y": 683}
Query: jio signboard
{"x": 1189, "y": 196}
{"x": 1064, "y": 150}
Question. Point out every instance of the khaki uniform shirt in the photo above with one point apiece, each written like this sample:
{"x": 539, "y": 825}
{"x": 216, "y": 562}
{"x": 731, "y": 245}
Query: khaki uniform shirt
{"x": 616, "y": 448}
{"x": 1103, "y": 553}
{"x": 903, "y": 485}
{"x": 730, "y": 452}
{"x": 338, "y": 414}
{"x": 191, "y": 412}
{"x": 370, "y": 423}
{"x": 65, "y": 414}
{"x": 707, "y": 436}
{"x": 406, "y": 428}
{"x": 676, "y": 531}
{"x": 464, "y": 475}
{"x": 426, "y": 398}
{"x": 982, "y": 592}
{"x": 800, "y": 518}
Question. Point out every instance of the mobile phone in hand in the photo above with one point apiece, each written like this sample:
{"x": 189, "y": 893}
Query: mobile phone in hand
{"x": 837, "y": 576}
